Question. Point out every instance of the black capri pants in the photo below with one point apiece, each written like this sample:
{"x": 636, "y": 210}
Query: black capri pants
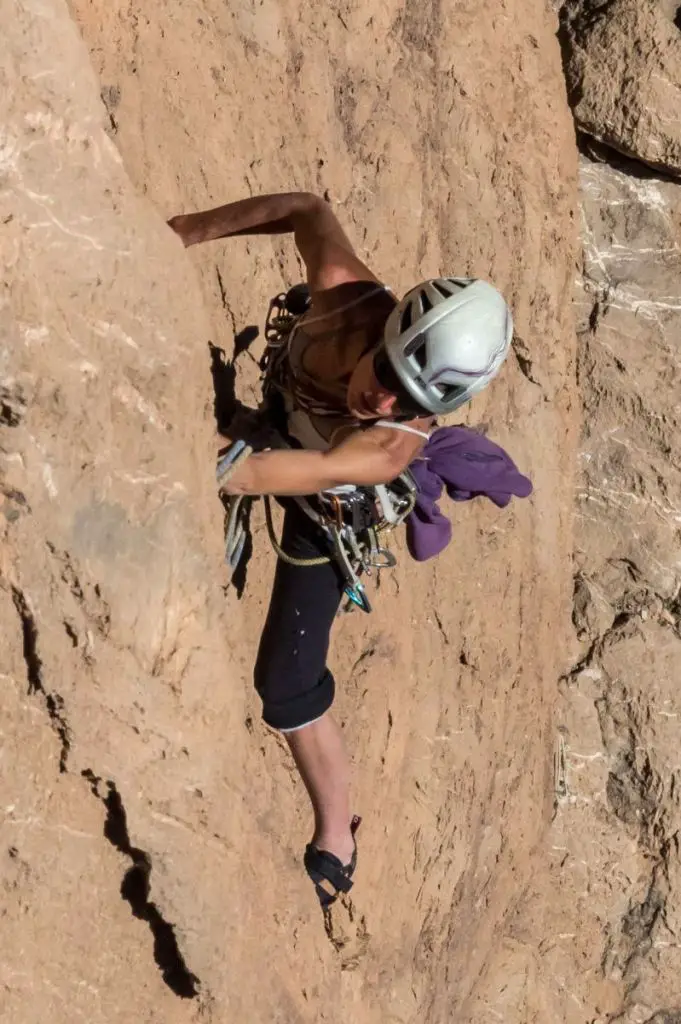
{"x": 291, "y": 675}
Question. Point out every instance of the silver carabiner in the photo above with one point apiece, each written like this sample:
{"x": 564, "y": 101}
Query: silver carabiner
{"x": 383, "y": 559}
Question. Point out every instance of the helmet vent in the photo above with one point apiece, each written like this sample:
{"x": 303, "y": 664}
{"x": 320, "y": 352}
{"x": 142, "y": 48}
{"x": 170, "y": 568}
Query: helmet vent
{"x": 420, "y": 356}
{"x": 450, "y": 391}
{"x": 426, "y": 304}
{"x": 439, "y": 287}
{"x": 405, "y": 319}
{"x": 416, "y": 349}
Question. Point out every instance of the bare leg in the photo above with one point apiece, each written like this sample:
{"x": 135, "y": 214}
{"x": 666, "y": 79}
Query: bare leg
{"x": 321, "y": 759}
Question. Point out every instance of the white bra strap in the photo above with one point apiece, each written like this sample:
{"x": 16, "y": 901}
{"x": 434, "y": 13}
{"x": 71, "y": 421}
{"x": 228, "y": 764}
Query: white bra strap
{"x": 305, "y": 319}
{"x": 402, "y": 426}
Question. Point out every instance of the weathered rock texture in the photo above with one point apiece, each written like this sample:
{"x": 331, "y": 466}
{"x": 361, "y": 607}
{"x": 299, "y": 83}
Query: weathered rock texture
{"x": 619, "y": 818}
{"x": 151, "y": 828}
{"x": 597, "y": 938}
{"x": 623, "y": 70}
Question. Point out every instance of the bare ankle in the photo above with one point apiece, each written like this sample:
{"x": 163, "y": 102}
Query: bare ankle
{"x": 338, "y": 842}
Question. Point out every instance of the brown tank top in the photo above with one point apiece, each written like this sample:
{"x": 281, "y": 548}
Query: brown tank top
{"x": 317, "y": 410}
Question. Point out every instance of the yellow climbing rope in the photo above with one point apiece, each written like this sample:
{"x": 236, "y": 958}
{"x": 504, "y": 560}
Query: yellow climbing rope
{"x": 321, "y": 560}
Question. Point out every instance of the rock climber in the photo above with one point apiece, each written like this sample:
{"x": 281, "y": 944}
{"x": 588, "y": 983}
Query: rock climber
{"x": 367, "y": 374}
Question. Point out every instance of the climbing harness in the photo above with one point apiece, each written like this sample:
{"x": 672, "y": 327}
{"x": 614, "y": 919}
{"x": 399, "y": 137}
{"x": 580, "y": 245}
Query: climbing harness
{"x": 354, "y": 519}
{"x": 354, "y": 522}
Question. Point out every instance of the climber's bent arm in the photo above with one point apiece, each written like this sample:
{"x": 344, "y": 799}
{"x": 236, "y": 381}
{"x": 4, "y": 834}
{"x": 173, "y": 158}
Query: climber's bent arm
{"x": 373, "y": 456}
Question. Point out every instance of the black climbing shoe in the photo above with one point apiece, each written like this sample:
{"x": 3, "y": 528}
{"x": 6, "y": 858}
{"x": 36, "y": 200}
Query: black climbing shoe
{"x": 326, "y": 870}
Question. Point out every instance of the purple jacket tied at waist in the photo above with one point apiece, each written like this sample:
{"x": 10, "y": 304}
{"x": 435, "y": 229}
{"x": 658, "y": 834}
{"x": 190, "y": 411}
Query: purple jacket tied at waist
{"x": 468, "y": 465}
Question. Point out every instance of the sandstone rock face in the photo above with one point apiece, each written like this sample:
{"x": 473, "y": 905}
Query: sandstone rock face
{"x": 619, "y": 814}
{"x": 151, "y": 828}
{"x": 623, "y": 69}
{"x": 597, "y": 937}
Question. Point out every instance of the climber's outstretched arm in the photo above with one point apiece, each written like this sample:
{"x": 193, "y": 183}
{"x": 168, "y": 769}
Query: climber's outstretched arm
{"x": 328, "y": 255}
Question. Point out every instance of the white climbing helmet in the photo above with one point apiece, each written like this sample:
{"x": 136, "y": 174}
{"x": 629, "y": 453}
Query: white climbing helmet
{"x": 447, "y": 339}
